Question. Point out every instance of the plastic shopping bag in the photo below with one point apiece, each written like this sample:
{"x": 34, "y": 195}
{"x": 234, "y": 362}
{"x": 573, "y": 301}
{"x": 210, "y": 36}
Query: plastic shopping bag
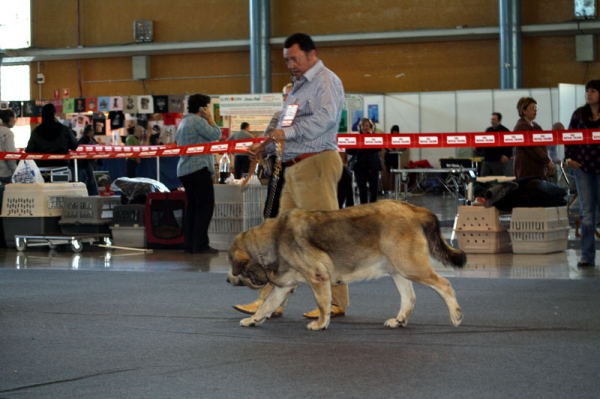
{"x": 27, "y": 172}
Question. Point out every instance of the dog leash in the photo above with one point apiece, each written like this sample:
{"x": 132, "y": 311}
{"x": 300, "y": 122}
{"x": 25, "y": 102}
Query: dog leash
{"x": 275, "y": 178}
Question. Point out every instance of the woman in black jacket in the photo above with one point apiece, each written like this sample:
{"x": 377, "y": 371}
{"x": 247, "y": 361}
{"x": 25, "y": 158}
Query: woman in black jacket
{"x": 366, "y": 165}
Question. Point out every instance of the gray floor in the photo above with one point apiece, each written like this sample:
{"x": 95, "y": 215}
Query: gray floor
{"x": 69, "y": 329}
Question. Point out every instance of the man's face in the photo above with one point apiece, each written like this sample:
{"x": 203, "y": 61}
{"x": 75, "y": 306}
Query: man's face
{"x": 297, "y": 61}
{"x": 495, "y": 121}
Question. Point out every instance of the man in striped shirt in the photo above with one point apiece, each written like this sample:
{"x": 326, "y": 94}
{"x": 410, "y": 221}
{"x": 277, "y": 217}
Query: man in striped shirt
{"x": 308, "y": 126}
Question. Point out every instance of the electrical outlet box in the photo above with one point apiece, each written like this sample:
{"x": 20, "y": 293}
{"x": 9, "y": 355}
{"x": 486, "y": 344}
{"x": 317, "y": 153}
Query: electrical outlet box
{"x": 141, "y": 67}
{"x": 585, "y": 48}
{"x": 40, "y": 78}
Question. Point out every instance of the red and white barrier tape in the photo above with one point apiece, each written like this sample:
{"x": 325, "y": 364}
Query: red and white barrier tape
{"x": 346, "y": 141}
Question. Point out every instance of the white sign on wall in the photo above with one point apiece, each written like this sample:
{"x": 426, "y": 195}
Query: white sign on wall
{"x": 251, "y": 104}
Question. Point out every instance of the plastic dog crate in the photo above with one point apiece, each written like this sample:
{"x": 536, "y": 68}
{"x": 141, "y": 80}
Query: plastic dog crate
{"x": 539, "y": 230}
{"x": 131, "y": 215}
{"x": 38, "y": 199}
{"x": 164, "y": 216}
{"x": 129, "y": 236}
{"x": 482, "y": 230}
{"x": 88, "y": 215}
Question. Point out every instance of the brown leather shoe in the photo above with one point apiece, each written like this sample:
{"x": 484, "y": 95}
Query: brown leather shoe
{"x": 250, "y": 308}
{"x": 335, "y": 312}
{"x": 278, "y": 312}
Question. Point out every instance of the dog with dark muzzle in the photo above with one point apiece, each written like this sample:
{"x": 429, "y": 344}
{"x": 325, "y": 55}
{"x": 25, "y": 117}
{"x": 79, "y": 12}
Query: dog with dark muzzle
{"x": 361, "y": 242}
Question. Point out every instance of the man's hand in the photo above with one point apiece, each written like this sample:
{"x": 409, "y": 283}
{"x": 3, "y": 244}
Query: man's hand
{"x": 256, "y": 150}
{"x": 277, "y": 134}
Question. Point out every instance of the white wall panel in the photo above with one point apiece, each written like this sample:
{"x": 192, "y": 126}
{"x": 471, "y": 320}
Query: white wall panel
{"x": 438, "y": 115}
{"x": 544, "y": 116}
{"x": 473, "y": 110}
{"x": 402, "y": 109}
{"x": 570, "y": 98}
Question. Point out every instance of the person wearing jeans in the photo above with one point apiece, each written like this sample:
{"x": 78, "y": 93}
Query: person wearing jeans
{"x": 585, "y": 161}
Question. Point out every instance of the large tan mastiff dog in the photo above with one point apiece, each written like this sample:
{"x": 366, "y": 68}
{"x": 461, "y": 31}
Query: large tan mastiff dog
{"x": 334, "y": 247}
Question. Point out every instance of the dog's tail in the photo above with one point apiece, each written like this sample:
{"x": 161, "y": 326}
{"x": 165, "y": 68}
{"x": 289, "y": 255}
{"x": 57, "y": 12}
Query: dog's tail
{"x": 438, "y": 247}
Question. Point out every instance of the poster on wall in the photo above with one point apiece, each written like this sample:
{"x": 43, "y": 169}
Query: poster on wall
{"x": 161, "y": 104}
{"x": 167, "y": 136}
{"x": 176, "y": 103}
{"x": 116, "y": 103}
{"x": 357, "y": 115}
{"x": 217, "y": 115}
{"x": 30, "y": 109}
{"x": 343, "y": 127}
{"x": 145, "y": 105}
{"x": 16, "y": 106}
{"x": 250, "y": 104}
{"x": 103, "y": 104}
{"x": 130, "y": 105}
{"x": 80, "y": 105}
{"x": 91, "y": 104}
{"x": 99, "y": 122}
{"x": 353, "y": 102}
{"x": 258, "y": 123}
{"x": 68, "y": 105}
{"x": 373, "y": 112}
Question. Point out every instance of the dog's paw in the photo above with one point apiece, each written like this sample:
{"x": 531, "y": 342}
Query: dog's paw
{"x": 248, "y": 322}
{"x": 315, "y": 326}
{"x": 395, "y": 323}
{"x": 457, "y": 317}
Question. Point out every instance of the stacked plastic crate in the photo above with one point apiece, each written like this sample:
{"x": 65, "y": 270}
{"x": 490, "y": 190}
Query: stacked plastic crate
{"x": 236, "y": 209}
{"x": 482, "y": 230}
{"x": 539, "y": 230}
{"x": 88, "y": 215}
{"x": 35, "y": 208}
{"x": 128, "y": 226}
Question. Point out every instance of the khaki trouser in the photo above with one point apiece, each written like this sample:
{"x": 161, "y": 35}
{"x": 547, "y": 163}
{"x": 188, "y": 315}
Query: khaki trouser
{"x": 312, "y": 185}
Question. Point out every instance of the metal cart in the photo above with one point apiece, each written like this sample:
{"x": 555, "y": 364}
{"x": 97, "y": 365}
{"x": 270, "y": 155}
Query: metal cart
{"x": 75, "y": 240}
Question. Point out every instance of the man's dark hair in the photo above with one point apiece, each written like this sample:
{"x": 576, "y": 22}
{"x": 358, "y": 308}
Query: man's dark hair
{"x": 244, "y": 125}
{"x": 395, "y": 129}
{"x": 498, "y": 114}
{"x": 197, "y": 101}
{"x": 5, "y": 115}
{"x": 303, "y": 41}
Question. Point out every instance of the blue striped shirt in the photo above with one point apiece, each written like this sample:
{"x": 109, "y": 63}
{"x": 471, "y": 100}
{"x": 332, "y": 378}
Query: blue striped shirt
{"x": 195, "y": 130}
{"x": 319, "y": 94}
